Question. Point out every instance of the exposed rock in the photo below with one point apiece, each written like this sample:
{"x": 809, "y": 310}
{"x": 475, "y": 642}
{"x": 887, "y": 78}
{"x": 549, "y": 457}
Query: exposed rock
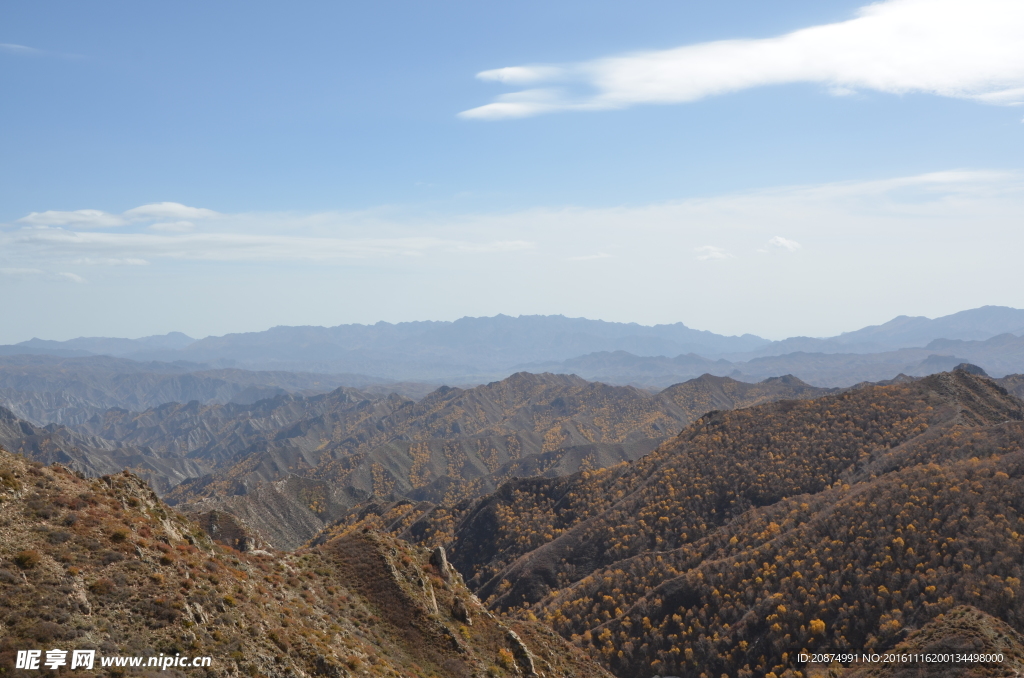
{"x": 461, "y": 612}
{"x": 224, "y": 528}
{"x": 439, "y": 559}
{"x": 521, "y": 653}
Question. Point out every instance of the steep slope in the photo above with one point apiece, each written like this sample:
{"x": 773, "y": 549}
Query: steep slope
{"x": 452, "y": 446}
{"x": 699, "y": 396}
{"x": 755, "y": 534}
{"x": 45, "y": 389}
{"x": 219, "y": 433}
{"x": 93, "y": 455}
{"x": 1014, "y": 383}
{"x": 486, "y": 426}
{"x": 963, "y": 631}
{"x": 449, "y": 445}
{"x": 718, "y": 468}
{"x": 102, "y": 565}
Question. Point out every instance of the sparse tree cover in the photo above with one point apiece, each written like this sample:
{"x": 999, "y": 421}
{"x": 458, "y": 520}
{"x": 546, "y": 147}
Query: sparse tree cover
{"x": 454, "y": 445}
{"x": 103, "y": 564}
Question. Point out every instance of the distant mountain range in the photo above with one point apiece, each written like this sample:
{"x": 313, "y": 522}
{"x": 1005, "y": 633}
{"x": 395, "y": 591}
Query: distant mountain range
{"x": 478, "y": 350}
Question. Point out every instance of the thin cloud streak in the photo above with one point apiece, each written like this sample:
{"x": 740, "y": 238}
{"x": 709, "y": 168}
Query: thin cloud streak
{"x": 99, "y": 219}
{"x": 781, "y": 243}
{"x": 19, "y": 49}
{"x": 136, "y": 247}
{"x": 711, "y": 253}
{"x": 967, "y": 49}
{"x": 741, "y": 225}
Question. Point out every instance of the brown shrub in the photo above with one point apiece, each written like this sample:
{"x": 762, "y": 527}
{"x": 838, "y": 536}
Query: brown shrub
{"x": 48, "y": 631}
{"x": 26, "y": 560}
{"x": 101, "y": 587}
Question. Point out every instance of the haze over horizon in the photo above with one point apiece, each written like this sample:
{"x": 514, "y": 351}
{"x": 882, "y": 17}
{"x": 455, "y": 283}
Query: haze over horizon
{"x": 498, "y": 315}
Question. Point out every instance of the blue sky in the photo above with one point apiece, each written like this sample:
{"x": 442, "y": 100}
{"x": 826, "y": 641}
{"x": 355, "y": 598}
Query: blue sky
{"x": 777, "y": 168}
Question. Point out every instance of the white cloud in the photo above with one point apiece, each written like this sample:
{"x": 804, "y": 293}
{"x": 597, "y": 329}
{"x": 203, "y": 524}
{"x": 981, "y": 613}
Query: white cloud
{"x": 845, "y": 220}
{"x": 77, "y": 219}
{"x": 72, "y": 277}
{"x": 778, "y": 242}
{"x": 519, "y": 75}
{"x": 21, "y": 272}
{"x": 168, "y": 210}
{"x": 711, "y": 253}
{"x": 969, "y": 49}
{"x": 173, "y": 226}
{"x": 100, "y": 219}
{"x": 137, "y": 247}
{"x": 111, "y": 262}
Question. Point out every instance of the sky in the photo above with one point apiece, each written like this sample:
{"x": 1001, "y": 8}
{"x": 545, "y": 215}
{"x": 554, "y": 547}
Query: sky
{"x": 786, "y": 168}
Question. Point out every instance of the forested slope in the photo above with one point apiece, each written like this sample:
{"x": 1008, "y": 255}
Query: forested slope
{"x": 839, "y": 522}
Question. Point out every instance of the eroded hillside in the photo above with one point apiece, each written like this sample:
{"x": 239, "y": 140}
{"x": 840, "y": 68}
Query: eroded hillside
{"x": 103, "y": 565}
{"x": 454, "y": 445}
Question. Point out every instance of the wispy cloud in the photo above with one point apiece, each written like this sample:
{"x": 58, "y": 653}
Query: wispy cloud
{"x": 739, "y": 225}
{"x": 130, "y": 261}
{"x": 21, "y": 272}
{"x": 138, "y": 248}
{"x": 711, "y": 253}
{"x": 173, "y": 226}
{"x": 168, "y": 211}
{"x": 486, "y": 247}
{"x": 407, "y": 263}
{"x": 99, "y": 219}
{"x": 969, "y": 49}
{"x": 780, "y": 243}
{"x": 38, "y": 273}
{"x": 25, "y": 50}
{"x": 590, "y": 257}
{"x": 19, "y": 49}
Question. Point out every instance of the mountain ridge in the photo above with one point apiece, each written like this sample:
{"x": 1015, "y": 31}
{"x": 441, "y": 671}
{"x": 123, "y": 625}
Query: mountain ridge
{"x": 756, "y": 534}
{"x": 478, "y": 350}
